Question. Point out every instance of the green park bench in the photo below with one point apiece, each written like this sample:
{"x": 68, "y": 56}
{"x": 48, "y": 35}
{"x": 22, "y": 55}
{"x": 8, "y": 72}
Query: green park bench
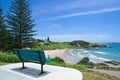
{"x": 37, "y": 56}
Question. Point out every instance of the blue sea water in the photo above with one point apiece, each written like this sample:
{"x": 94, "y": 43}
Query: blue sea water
{"x": 109, "y": 53}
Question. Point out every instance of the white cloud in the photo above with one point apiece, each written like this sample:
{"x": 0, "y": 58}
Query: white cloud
{"x": 69, "y": 5}
{"x": 88, "y": 37}
{"x": 83, "y": 3}
{"x": 85, "y": 13}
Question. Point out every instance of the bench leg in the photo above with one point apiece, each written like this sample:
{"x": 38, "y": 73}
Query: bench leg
{"x": 23, "y": 67}
{"x": 41, "y": 69}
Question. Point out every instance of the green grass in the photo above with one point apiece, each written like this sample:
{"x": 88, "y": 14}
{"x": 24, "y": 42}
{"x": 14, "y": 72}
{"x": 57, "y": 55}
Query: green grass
{"x": 55, "y": 45}
{"x": 109, "y": 68}
{"x": 94, "y": 75}
{"x": 78, "y": 67}
{"x": 10, "y": 58}
{"x": 3, "y": 63}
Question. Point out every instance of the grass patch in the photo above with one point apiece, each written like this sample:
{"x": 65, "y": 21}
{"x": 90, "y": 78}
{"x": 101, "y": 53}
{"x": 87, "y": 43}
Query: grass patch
{"x": 9, "y": 58}
{"x": 94, "y": 75}
{"x": 78, "y": 67}
{"x": 108, "y": 68}
{"x": 53, "y": 45}
{"x": 3, "y": 63}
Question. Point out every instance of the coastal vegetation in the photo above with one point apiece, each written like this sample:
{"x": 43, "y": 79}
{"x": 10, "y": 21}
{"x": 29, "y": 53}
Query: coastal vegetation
{"x": 85, "y": 61}
{"x": 8, "y": 58}
{"x": 103, "y": 67}
{"x": 47, "y": 45}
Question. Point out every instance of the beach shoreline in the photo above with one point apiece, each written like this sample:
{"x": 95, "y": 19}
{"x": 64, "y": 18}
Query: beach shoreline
{"x": 64, "y": 54}
{"x": 69, "y": 57}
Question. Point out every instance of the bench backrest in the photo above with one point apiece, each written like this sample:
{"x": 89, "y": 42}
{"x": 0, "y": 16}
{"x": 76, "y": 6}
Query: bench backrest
{"x": 31, "y": 55}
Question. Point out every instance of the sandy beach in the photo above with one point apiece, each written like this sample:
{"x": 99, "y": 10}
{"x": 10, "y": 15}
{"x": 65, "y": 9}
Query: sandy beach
{"x": 64, "y": 54}
{"x": 55, "y": 53}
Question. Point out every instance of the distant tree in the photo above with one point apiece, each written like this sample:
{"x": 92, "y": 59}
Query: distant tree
{"x": 20, "y": 24}
{"x": 3, "y": 32}
{"x": 48, "y": 39}
{"x": 79, "y": 43}
{"x": 40, "y": 40}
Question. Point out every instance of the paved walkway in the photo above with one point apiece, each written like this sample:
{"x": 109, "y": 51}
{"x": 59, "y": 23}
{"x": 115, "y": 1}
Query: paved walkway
{"x": 14, "y": 72}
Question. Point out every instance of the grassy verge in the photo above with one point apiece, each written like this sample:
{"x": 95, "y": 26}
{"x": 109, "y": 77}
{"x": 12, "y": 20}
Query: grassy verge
{"x": 108, "y": 68}
{"x": 94, "y": 75}
{"x": 78, "y": 67}
{"x": 3, "y": 63}
{"x": 9, "y": 58}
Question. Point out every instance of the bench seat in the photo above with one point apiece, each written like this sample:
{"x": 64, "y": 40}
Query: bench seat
{"x": 37, "y": 56}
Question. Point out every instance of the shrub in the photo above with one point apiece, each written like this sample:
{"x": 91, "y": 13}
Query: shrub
{"x": 8, "y": 58}
{"x": 91, "y": 65}
{"x": 85, "y": 61}
{"x": 58, "y": 60}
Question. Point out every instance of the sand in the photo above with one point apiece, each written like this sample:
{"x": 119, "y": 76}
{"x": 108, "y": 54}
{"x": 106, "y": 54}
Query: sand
{"x": 70, "y": 58}
{"x": 64, "y": 54}
{"x": 55, "y": 53}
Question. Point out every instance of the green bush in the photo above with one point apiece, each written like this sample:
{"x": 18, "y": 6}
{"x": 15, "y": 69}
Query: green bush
{"x": 58, "y": 60}
{"x": 85, "y": 61}
{"x": 79, "y": 44}
{"x": 91, "y": 65}
{"x": 8, "y": 58}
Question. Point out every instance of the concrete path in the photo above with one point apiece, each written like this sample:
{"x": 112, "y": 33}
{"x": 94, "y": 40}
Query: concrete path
{"x": 14, "y": 72}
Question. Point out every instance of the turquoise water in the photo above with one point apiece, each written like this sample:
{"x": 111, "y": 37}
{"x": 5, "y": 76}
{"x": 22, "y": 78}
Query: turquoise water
{"x": 110, "y": 53}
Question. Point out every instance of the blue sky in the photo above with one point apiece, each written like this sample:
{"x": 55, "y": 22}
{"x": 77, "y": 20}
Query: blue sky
{"x": 68, "y": 20}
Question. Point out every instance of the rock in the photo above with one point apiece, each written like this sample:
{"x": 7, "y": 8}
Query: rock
{"x": 98, "y": 45}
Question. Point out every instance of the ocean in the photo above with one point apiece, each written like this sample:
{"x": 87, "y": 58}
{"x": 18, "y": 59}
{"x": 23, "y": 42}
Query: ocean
{"x": 99, "y": 55}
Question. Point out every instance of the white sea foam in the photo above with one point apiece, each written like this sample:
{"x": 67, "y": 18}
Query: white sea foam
{"x": 81, "y": 49}
{"x": 100, "y": 52}
{"x": 92, "y": 57}
{"x": 85, "y": 51}
{"x": 96, "y": 59}
{"x": 73, "y": 54}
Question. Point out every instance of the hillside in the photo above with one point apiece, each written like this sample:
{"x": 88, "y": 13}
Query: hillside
{"x": 41, "y": 44}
